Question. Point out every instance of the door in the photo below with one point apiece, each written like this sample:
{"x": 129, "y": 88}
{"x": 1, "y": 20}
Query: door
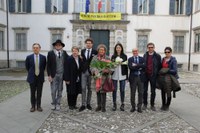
{"x": 100, "y": 36}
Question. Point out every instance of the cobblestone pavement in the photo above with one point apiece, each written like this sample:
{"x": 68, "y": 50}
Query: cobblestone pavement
{"x": 67, "y": 121}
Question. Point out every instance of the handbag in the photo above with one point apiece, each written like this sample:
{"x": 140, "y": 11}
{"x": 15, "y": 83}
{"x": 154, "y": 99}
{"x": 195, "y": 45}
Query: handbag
{"x": 98, "y": 84}
{"x": 108, "y": 85}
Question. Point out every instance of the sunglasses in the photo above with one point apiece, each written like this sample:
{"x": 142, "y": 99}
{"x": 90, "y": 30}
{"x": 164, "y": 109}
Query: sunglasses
{"x": 167, "y": 52}
{"x": 150, "y": 47}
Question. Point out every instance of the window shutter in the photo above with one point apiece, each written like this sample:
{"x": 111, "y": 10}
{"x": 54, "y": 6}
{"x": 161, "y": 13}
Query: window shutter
{"x": 28, "y": 6}
{"x": 65, "y": 6}
{"x": 135, "y": 6}
{"x": 151, "y": 7}
{"x": 188, "y": 7}
{"x": 11, "y": 5}
{"x": 48, "y": 6}
{"x": 172, "y": 7}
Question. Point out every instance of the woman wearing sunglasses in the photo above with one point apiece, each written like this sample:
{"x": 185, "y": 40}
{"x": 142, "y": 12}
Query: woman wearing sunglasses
{"x": 169, "y": 68}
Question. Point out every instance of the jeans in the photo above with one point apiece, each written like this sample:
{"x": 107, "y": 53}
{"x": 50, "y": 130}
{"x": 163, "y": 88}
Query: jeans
{"x": 122, "y": 84}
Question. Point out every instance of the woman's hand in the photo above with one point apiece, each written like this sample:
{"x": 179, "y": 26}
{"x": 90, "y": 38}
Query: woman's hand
{"x": 106, "y": 71}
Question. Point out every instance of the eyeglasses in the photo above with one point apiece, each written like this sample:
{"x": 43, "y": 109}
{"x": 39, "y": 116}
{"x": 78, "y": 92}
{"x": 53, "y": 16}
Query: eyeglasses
{"x": 150, "y": 47}
{"x": 167, "y": 52}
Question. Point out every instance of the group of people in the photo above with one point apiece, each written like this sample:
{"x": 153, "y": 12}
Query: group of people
{"x": 77, "y": 73}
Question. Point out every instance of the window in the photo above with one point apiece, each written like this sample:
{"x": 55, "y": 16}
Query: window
{"x": 119, "y": 6}
{"x": 179, "y": 6}
{"x": 142, "y": 43}
{"x": 143, "y": 6}
{"x": 103, "y": 8}
{"x": 80, "y": 5}
{"x": 197, "y": 7}
{"x": 56, "y": 37}
{"x": 56, "y": 6}
{"x": 1, "y": 40}
{"x": 21, "y": 41}
{"x": 197, "y": 43}
{"x": 178, "y": 44}
{"x": 1, "y": 4}
{"x": 21, "y": 6}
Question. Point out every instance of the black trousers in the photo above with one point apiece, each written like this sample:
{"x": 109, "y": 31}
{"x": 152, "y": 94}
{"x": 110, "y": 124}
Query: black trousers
{"x": 36, "y": 92}
{"x": 136, "y": 84}
{"x": 72, "y": 99}
{"x": 153, "y": 90}
{"x": 101, "y": 100}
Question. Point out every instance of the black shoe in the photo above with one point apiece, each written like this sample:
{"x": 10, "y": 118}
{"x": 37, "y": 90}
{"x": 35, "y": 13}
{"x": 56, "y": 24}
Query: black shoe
{"x": 39, "y": 109}
{"x": 122, "y": 107}
{"x": 103, "y": 110}
{"x": 162, "y": 108}
{"x": 75, "y": 107}
{"x": 166, "y": 108}
{"x": 89, "y": 107}
{"x": 71, "y": 107}
{"x": 144, "y": 107}
{"x": 98, "y": 109}
{"x": 114, "y": 107}
{"x": 82, "y": 108}
{"x": 132, "y": 110}
{"x": 153, "y": 108}
{"x": 139, "y": 110}
{"x": 32, "y": 109}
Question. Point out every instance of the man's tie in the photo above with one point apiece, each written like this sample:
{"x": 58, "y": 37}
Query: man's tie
{"x": 36, "y": 66}
{"x": 88, "y": 54}
{"x": 58, "y": 54}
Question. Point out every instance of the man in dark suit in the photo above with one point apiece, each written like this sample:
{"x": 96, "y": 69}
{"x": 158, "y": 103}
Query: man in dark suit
{"x": 55, "y": 69}
{"x": 136, "y": 77}
{"x": 35, "y": 65}
{"x": 87, "y": 54}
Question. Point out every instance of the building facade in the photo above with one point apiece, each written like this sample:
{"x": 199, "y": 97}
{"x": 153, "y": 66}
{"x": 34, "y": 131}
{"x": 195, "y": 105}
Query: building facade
{"x": 165, "y": 23}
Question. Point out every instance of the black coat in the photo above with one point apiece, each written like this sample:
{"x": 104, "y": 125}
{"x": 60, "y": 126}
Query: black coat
{"x": 30, "y": 67}
{"x": 51, "y": 62}
{"x": 156, "y": 63}
{"x": 124, "y": 68}
{"x": 86, "y": 63}
{"x": 71, "y": 73}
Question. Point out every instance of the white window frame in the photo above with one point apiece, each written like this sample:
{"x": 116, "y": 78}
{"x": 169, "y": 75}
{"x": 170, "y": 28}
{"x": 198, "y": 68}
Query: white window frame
{"x": 19, "y": 6}
{"x": 177, "y": 49}
{"x": 2, "y": 4}
{"x": 79, "y": 6}
{"x": 120, "y": 6}
{"x": 56, "y": 6}
{"x": 178, "y": 6}
{"x": 55, "y": 31}
{"x": 142, "y": 32}
{"x": 197, "y": 7}
{"x": 17, "y": 48}
{"x": 142, "y": 11}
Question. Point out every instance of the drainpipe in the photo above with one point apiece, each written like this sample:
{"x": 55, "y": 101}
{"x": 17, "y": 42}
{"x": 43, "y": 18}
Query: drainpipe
{"x": 190, "y": 41}
{"x": 7, "y": 8}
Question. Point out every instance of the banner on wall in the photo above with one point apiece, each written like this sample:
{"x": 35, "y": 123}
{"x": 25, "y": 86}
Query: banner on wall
{"x": 100, "y": 16}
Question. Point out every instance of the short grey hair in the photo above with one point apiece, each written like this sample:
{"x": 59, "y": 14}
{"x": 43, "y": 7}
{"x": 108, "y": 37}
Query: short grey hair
{"x": 102, "y": 46}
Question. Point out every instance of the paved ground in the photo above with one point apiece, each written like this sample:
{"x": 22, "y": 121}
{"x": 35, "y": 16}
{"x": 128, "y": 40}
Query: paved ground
{"x": 183, "y": 116}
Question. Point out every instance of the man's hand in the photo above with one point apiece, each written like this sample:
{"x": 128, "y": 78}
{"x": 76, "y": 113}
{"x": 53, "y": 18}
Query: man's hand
{"x": 67, "y": 82}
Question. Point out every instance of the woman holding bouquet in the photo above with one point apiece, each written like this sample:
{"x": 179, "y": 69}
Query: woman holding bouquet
{"x": 101, "y": 72}
{"x": 120, "y": 74}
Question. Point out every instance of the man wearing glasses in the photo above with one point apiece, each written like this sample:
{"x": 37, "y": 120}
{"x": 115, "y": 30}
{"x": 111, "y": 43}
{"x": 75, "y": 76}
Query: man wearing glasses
{"x": 153, "y": 65}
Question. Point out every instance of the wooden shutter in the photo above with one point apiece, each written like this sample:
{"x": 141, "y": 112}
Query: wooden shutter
{"x": 188, "y": 7}
{"x": 135, "y": 6}
{"x": 65, "y": 6}
{"x": 28, "y": 6}
{"x": 11, "y": 5}
{"x": 172, "y": 7}
{"x": 48, "y": 6}
{"x": 151, "y": 7}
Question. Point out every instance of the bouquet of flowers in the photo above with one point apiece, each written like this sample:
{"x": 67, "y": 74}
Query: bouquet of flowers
{"x": 119, "y": 61}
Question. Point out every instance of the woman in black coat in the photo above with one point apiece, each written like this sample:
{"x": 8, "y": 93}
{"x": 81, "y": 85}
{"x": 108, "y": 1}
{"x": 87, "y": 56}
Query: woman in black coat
{"x": 72, "y": 77}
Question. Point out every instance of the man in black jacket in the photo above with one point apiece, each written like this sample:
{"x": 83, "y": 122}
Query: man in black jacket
{"x": 87, "y": 55}
{"x": 153, "y": 65}
{"x": 55, "y": 69}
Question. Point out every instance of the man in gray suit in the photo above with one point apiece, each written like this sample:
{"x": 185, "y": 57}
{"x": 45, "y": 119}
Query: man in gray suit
{"x": 87, "y": 54}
